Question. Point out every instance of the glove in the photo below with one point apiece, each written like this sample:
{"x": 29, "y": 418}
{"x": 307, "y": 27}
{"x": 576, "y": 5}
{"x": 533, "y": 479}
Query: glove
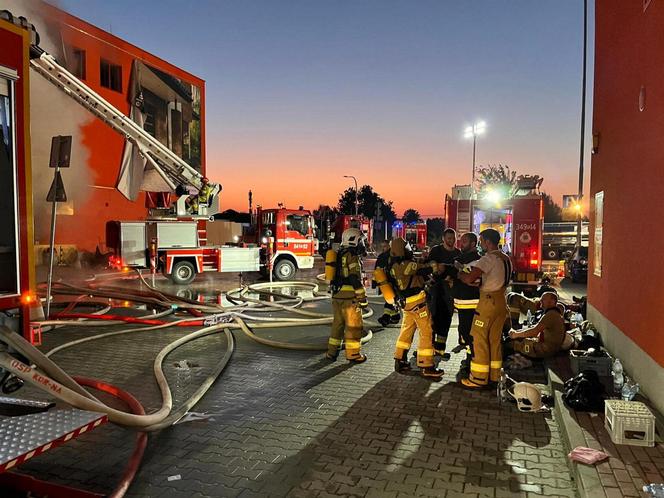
{"x": 363, "y": 302}
{"x": 399, "y": 302}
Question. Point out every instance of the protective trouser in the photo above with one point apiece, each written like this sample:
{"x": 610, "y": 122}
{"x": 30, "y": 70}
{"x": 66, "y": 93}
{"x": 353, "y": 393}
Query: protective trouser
{"x": 346, "y": 326}
{"x": 486, "y": 332}
{"x": 442, "y": 311}
{"x": 418, "y": 319}
{"x": 465, "y": 325}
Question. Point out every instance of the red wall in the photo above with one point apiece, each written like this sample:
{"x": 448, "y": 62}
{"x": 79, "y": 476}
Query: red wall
{"x": 105, "y": 145}
{"x": 629, "y": 168}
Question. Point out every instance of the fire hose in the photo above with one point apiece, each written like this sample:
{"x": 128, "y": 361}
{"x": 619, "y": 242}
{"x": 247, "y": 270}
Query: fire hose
{"x": 55, "y": 381}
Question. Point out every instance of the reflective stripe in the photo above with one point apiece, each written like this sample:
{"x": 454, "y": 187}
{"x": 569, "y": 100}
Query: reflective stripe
{"x": 465, "y": 306}
{"x": 416, "y": 297}
{"x": 479, "y": 368}
{"x": 390, "y": 312}
{"x": 334, "y": 342}
{"x": 347, "y": 288}
{"x": 425, "y": 352}
{"x": 350, "y": 343}
{"x": 496, "y": 364}
{"x": 466, "y": 301}
{"x": 514, "y": 310}
{"x": 403, "y": 345}
{"x": 468, "y": 350}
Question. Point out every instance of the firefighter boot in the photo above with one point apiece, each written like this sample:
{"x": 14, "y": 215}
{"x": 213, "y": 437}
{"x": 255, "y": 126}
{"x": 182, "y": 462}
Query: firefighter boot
{"x": 432, "y": 373}
{"x": 384, "y": 320}
{"x": 396, "y": 318}
{"x": 402, "y": 366}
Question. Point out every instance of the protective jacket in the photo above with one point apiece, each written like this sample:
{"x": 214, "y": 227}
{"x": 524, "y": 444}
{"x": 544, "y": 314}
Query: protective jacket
{"x": 408, "y": 276}
{"x": 465, "y": 296}
{"x": 347, "y": 283}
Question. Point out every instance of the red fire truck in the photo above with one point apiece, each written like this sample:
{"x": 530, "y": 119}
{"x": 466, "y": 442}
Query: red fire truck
{"x": 518, "y": 216}
{"x": 281, "y": 240}
{"x": 415, "y": 233}
{"x": 16, "y": 238}
{"x": 345, "y": 221}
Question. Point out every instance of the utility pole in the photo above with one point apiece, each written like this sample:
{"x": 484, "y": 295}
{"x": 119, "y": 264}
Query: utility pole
{"x": 579, "y": 197}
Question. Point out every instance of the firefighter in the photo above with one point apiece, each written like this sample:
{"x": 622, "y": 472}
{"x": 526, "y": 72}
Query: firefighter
{"x": 390, "y": 314}
{"x": 408, "y": 278}
{"x": 466, "y": 297}
{"x": 546, "y": 338}
{"x": 440, "y": 298}
{"x": 518, "y": 303}
{"x": 203, "y": 196}
{"x": 348, "y": 298}
{"x": 495, "y": 270}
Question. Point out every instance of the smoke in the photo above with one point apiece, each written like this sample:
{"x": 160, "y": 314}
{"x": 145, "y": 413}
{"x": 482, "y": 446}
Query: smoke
{"x": 53, "y": 113}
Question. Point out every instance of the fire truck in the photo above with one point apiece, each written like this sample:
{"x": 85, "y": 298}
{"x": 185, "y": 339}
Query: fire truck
{"x": 16, "y": 237}
{"x": 518, "y": 215}
{"x": 281, "y": 241}
{"x": 415, "y": 233}
{"x": 332, "y": 235}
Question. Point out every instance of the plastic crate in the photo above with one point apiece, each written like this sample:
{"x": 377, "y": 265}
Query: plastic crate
{"x": 600, "y": 364}
{"x": 629, "y": 422}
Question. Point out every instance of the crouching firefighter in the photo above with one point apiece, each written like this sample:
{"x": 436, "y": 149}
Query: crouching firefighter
{"x": 391, "y": 315}
{"x": 407, "y": 276}
{"x": 495, "y": 269}
{"x": 343, "y": 272}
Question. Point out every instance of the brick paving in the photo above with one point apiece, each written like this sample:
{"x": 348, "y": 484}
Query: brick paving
{"x": 287, "y": 423}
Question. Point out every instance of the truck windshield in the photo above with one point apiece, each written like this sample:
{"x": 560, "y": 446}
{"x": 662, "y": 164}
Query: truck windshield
{"x": 298, "y": 223}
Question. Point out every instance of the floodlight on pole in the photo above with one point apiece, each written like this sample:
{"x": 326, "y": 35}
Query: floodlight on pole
{"x": 473, "y": 132}
{"x": 356, "y": 202}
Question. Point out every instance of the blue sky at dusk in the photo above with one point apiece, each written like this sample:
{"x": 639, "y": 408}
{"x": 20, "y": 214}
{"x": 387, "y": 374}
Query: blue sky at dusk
{"x": 302, "y": 92}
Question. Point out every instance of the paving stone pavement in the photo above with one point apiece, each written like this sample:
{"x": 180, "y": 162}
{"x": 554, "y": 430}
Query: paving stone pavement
{"x": 287, "y": 423}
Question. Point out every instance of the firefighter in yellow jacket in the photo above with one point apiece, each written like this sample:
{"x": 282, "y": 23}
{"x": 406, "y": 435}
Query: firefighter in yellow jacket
{"x": 495, "y": 270}
{"x": 407, "y": 277}
{"x": 348, "y": 298}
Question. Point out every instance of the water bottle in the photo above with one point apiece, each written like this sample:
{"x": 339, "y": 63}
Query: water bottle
{"x": 502, "y": 386}
{"x": 656, "y": 490}
{"x": 629, "y": 389}
{"x": 618, "y": 379}
{"x": 577, "y": 319}
{"x": 529, "y": 318}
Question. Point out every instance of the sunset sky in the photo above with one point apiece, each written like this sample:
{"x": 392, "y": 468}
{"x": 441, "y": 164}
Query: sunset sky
{"x": 302, "y": 92}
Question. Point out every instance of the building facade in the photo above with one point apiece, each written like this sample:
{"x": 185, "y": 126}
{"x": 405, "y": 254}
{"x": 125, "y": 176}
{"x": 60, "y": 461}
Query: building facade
{"x": 172, "y": 105}
{"x": 625, "y": 292}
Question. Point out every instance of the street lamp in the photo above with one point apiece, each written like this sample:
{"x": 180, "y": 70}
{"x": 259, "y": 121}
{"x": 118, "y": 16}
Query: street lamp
{"x": 355, "y": 180}
{"x": 473, "y": 132}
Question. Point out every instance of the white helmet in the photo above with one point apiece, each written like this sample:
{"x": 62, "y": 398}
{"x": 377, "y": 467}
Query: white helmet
{"x": 528, "y": 397}
{"x": 352, "y": 237}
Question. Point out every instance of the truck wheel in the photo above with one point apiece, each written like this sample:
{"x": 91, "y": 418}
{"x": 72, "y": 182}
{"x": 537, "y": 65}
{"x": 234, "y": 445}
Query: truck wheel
{"x": 183, "y": 273}
{"x": 284, "y": 270}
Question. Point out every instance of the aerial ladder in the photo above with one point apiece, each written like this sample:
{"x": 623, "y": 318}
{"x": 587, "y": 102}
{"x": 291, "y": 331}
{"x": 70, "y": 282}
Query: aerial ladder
{"x": 175, "y": 171}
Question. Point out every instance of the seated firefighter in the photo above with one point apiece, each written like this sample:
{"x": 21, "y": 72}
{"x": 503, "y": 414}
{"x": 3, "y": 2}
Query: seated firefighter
{"x": 518, "y": 304}
{"x": 408, "y": 280}
{"x": 547, "y": 337}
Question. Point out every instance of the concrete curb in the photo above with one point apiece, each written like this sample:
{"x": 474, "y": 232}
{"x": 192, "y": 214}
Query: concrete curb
{"x": 586, "y": 476}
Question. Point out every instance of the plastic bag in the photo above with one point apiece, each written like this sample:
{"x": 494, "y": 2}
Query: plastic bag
{"x": 588, "y": 456}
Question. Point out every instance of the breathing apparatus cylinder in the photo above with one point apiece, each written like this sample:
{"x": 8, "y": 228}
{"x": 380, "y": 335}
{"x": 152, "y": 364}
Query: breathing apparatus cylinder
{"x": 384, "y": 285}
{"x": 330, "y": 265}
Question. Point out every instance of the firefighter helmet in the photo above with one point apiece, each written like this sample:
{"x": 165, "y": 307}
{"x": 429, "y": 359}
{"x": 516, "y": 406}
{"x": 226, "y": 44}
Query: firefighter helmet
{"x": 352, "y": 237}
{"x": 528, "y": 397}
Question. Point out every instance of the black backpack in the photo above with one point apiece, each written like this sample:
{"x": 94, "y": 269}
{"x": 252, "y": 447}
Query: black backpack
{"x": 585, "y": 392}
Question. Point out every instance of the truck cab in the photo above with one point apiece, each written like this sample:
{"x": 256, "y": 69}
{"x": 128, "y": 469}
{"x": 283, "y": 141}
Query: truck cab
{"x": 288, "y": 240}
